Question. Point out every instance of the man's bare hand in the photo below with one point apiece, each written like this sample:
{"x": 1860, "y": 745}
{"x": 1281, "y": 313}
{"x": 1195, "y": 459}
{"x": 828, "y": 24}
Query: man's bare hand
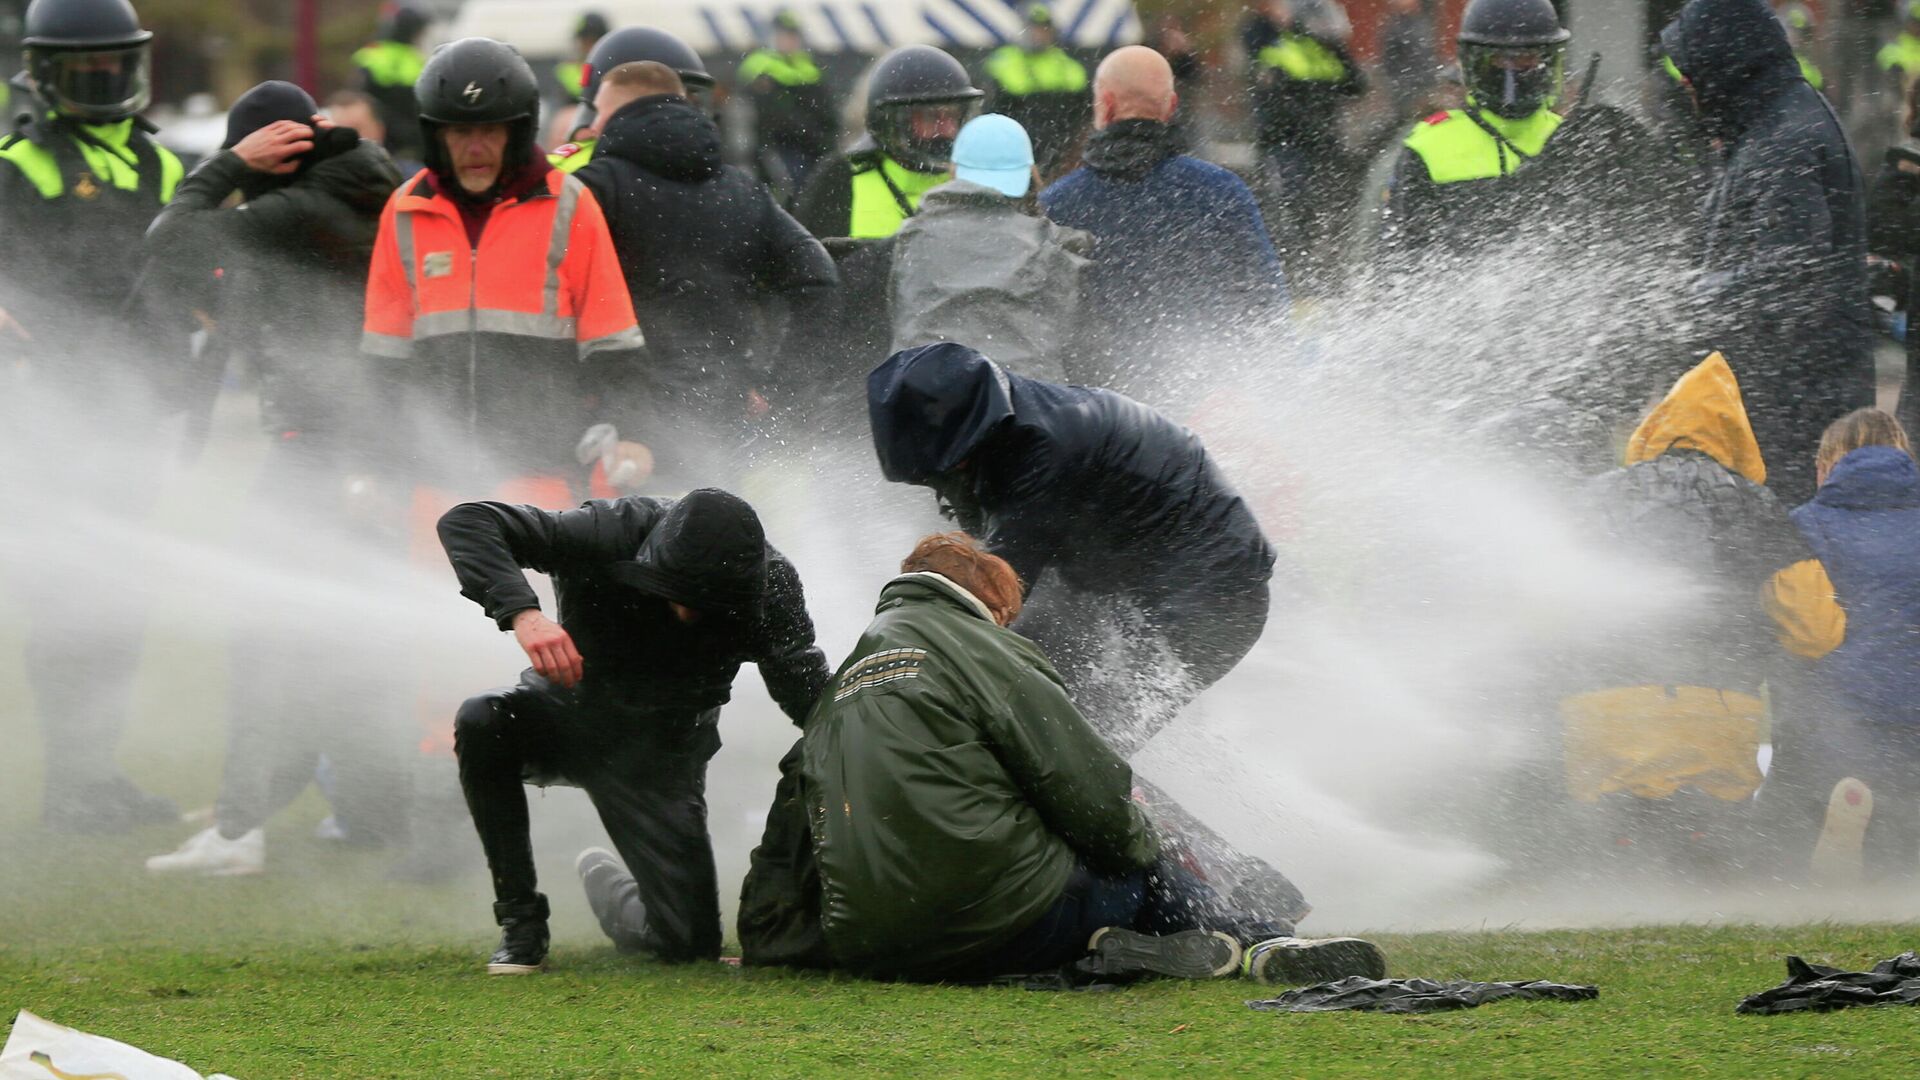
{"x": 549, "y": 646}
{"x": 272, "y": 149}
{"x": 629, "y": 465}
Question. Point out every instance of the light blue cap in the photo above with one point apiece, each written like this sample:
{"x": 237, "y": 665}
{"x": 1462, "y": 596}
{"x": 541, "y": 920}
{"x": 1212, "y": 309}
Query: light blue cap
{"x": 994, "y": 151}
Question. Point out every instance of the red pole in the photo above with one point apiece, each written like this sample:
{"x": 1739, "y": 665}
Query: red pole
{"x": 306, "y": 45}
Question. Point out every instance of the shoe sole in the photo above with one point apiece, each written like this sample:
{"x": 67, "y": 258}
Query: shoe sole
{"x": 1189, "y": 954}
{"x": 516, "y": 969}
{"x": 1317, "y": 961}
{"x": 1837, "y": 855}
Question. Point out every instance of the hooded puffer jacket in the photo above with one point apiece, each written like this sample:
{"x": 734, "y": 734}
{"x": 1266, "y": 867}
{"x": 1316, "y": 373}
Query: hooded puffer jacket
{"x": 1784, "y": 290}
{"x": 1109, "y": 493}
{"x": 615, "y": 565}
{"x": 705, "y": 249}
{"x": 1865, "y": 527}
{"x": 953, "y": 787}
{"x": 292, "y": 262}
{"x": 1675, "y": 702}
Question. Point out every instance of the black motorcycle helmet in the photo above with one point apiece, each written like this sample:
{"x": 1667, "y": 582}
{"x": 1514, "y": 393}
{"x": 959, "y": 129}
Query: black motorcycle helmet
{"x": 916, "y": 81}
{"x": 1512, "y": 55}
{"x": 88, "y": 59}
{"x": 632, "y": 44}
{"x": 477, "y": 81}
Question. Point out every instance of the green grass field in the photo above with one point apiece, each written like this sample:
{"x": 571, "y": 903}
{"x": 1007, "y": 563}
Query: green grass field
{"x": 327, "y": 972}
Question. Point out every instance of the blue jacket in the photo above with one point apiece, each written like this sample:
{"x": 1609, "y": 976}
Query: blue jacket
{"x": 1181, "y": 251}
{"x": 1110, "y": 494}
{"x": 1864, "y": 524}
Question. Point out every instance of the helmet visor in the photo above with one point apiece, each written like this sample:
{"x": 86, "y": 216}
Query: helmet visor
{"x": 920, "y": 135}
{"x": 98, "y": 85}
{"x": 1513, "y": 82}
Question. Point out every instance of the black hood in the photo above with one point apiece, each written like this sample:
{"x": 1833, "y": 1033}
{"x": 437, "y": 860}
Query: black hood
{"x": 666, "y": 136}
{"x": 363, "y": 177}
{"x": 708, "y": 552}
{"x": 1129, "y": 149}
{"x": 1735, "y": 53}
{"x": 932, "y": 407}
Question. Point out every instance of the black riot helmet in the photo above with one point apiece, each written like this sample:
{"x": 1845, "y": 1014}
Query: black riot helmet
{"x": 917, "y": 100}
{"x": 405, "y": 23}
{"x": 1512, "y": 55}
{"x": 632, "y": 44}
{"x": 88, "y": 59}
{"x": 477, "y": 80}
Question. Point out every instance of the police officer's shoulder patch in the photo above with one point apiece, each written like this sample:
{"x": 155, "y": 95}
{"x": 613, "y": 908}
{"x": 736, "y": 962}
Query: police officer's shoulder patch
{"x": 1440, "y": 117}
{"x": 565, "y": 150}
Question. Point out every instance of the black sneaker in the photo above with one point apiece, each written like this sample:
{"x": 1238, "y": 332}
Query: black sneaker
{"x": 523, "y": 939}
{"x": 113, "y": 805}
{"x": 1296, "y": 961}
{"x": 613, "y": 896}
{"x": 1189, "y": 954}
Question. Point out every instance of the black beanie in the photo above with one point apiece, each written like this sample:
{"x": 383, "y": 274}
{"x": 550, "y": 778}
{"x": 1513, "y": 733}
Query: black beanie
{"x": 270, "y": 101}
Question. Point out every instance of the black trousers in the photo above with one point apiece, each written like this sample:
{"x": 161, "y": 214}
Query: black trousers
{"x": 1133, "y": 664}
{"x": 646, "y": 772}
{"x": 288, "y": 707}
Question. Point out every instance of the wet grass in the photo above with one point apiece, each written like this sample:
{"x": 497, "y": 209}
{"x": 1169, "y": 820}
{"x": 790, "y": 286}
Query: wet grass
{"x": 279, "y": 977}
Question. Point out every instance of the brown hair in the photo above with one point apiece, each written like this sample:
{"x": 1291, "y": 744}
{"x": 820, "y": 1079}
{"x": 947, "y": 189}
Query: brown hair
{"x": 1861, "y": 427}
{"x": 960, "y": 559}
{"x": 647, "y": 76}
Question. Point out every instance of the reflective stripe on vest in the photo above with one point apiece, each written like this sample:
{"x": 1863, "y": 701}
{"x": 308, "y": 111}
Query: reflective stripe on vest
{"x": 391, "y": 63}
{"x": 570, "y": 74}
{"x": 1303, "y": 59}
{"x": 1050, "y": 71}
{"x": 876, "y": 213}
{"x": 1455, "y": 148}
{"x": 118, "y": 166}
{"x": 787, "y": 69}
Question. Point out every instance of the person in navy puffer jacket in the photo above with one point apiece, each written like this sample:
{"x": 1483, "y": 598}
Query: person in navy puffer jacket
{"x": 1863, "y": 761}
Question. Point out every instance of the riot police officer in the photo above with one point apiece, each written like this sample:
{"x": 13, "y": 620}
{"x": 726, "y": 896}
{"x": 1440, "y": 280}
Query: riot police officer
{"x": 628, "y": 45}
{"x": 793, "y": 112}
{"x": 1040, "y": 85}
{"x": 80, "y": 179}
{"x": 1512, "y": 58}
{"x": 388, "y": 68}
{"x": 917, "y": 99}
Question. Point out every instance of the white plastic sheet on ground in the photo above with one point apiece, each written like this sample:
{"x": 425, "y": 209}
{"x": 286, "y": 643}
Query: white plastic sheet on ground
{"x": 38, "y": 1050}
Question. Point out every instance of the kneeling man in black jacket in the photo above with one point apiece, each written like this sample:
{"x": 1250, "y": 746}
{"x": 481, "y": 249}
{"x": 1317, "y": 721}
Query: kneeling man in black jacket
{"x": 660, "y": 602}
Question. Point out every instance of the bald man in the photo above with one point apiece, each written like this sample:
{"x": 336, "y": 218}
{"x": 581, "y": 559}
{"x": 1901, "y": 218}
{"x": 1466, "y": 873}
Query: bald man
{"x": 1185, "y": 276}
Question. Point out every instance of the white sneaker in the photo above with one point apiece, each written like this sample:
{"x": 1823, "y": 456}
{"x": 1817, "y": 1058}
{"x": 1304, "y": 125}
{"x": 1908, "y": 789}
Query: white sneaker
{"x": 210, "y": 854}
{"x": 1837, "y": 855}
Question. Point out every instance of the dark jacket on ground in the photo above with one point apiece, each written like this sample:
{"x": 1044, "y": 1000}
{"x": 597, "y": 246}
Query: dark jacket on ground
{"x": 1112, "y": 495}
{"x": 1783, "y": 293}
{"x": 615, "y": 564}
{"x": 1183, "y": 253}
{"x": 954, "y": 787}
{"x": 1864, "y": 526}
{"x": 705, "y": 249}
{"x": 292, "y": 261}
{"x": 1893, "y": 233}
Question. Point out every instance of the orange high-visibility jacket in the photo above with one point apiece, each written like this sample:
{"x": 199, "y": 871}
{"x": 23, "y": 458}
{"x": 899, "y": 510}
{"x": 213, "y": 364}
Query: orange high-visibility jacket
{"x": 494, "y": 337}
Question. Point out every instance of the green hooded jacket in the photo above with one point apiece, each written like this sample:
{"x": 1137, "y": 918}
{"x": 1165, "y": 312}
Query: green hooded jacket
{"x": 952, "y": 787}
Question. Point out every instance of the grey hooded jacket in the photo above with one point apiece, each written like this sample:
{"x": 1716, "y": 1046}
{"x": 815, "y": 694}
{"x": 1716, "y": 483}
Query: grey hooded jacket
{"x": 971, "y": 268}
